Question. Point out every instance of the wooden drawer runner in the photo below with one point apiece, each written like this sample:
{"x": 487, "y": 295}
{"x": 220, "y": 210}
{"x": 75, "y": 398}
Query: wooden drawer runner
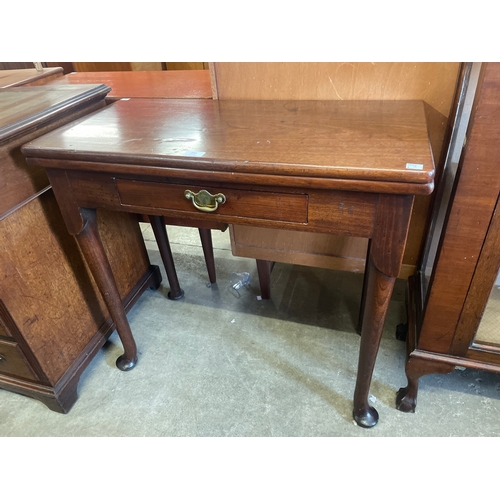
{"x": 12, "y": 361}
{"x": 239, "y": 203}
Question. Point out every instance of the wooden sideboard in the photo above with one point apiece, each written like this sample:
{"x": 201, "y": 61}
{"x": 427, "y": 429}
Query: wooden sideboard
{"x": 448, "y": 296}
{"x": 52, "y": 317}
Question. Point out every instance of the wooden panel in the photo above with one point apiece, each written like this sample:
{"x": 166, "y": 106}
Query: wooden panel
{"x": 12, "y": 361}
{"x": 66, "y": 66}
{"x": 278, "y": 245}
{"x": 3, "y": 331}
{"x": 186, "y": 65}
{"x": 147, "y": 84}
{"x": 468, "y": 221}
{"x": 146, "y": 66}
{"x": 46, "y": 285}
{"x": 16, "y": 65}
{"x": 118, "y": 66}
{"x": 480, "y": 289}
{"x": 434, "y": 83}
{"x": 18, "y": 180}
{"x": 351, "y": 214}
{"x": 370, "y": 141}
{"x": 102, "y": 66}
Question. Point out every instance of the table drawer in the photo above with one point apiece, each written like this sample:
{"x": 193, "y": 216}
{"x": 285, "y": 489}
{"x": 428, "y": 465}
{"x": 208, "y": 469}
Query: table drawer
{"x": 238, "y": 203}
{"x": 12, "y": 362}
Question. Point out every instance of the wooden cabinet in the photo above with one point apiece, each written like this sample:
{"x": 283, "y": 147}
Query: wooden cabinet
{"x": 52, "y": 317}
{"x": 458, "y": 280}
{"x": 146, "y": 84}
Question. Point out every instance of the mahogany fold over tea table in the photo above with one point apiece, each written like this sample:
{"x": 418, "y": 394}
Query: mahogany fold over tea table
{"x": 340, "y": 167}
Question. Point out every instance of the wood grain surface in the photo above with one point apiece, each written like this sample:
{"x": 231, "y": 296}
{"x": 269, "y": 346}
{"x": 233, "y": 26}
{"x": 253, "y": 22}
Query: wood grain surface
{"x": 358, "y": 140}
{"x": 432, "y": 82}
{"x": 194, "y": 84}
{"x": 469, "y": 218}
{"x": 20, "y": 77}
{"x": 26, "y": 114}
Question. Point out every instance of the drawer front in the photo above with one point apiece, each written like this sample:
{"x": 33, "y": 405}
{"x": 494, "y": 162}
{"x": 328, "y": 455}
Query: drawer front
{"x": 239, "y": 203}
{"x": 12, "y": 361}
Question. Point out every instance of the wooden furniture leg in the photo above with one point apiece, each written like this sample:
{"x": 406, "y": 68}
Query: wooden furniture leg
{"x": 264, "y": 268}
{"x": 379, "y": 290}
{"x": 95, "y": 256}
{"x": 406, "y": 398}
{"x": 364, "y": 292}
{"x": 205, "y": 237}
{"x": 208, "y": 252}
{"x": 160, "y": 232}
{"x": 382, "y": 268}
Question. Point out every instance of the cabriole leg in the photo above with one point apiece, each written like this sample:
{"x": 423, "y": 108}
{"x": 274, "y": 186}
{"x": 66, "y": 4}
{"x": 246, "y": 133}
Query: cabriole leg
{"x": 97, "y": 260}
{"x": 379, "y": 290}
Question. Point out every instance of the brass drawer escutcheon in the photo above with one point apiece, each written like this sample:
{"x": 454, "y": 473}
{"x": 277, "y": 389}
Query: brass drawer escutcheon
{"x": 205, "y": 201}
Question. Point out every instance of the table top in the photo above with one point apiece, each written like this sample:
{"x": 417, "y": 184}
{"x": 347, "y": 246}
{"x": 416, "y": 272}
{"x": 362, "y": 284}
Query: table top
{"x": 22, "y": 108}
{"x": 383, "y": 141}
{"x": 190, "y": 84}
{"x": 19, "y": 77}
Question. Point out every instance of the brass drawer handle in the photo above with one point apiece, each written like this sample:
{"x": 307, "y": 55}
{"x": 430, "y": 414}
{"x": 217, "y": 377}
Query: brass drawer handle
{"x": 205, "y": 201}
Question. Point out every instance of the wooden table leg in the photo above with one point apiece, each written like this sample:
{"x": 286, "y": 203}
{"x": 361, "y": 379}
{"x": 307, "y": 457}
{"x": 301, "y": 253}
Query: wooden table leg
{"x": 359, "y": 326}
{"x": 93, "y": 251}
{"x": 264, "y": 268}
{"x": 378, "y": 294}
{"x": 382, "y": 268}
{"x": 208, "y": 252}
{"x": 160, "y": 232}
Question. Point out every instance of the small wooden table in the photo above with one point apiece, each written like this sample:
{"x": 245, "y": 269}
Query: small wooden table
{"x": 341, "y": 167}
{"x": 189, "y": 84}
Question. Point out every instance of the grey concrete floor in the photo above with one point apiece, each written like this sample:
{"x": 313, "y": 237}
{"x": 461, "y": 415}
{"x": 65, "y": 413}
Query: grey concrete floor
{"x": 217, "y": 363}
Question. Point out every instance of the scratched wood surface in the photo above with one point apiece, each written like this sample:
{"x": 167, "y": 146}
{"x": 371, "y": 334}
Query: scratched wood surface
{"x": 365, "y": 141}
{"x": 468, "y": 221}
{"x": 433, "y": 83}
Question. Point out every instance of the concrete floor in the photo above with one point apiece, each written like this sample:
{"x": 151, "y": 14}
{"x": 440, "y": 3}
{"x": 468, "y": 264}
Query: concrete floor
{"x": 221, "y": 364}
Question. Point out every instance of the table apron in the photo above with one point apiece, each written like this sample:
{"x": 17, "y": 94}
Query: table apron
{"x": 333, "y": 212}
